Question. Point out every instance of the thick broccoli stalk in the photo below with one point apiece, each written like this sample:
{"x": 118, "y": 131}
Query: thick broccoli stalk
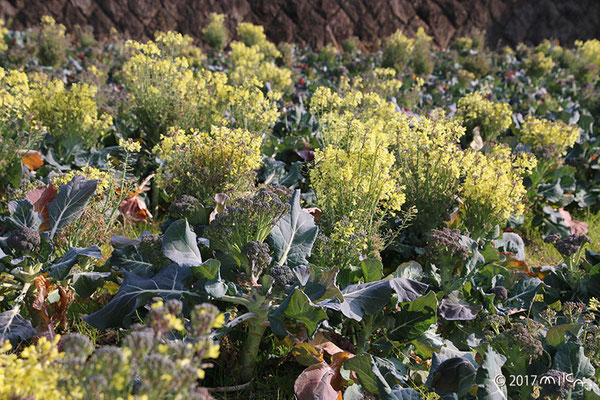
{"x": 282, "y": 275}
{"x": 24, "y": 241}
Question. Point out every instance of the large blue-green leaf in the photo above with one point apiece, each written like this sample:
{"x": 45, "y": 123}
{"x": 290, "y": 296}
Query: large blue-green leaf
{"x": 414, "y": 318}
{"x": 299, "y": 307}
{"x": 135, "y": 291}
{"x": 210, "y": 273}
{"x": 570, "y": 358}
{"x": 452, "y": 375}
{"x": 62, "y": 268}
{"x": 21, "y": 213}
{"x": 523, "y": 293}
{"x": 70, "y": 203}
{"x": 86, "y": 283}
{"x": 489, "y": 377}
{"x": 15, "y": 328}
{"x": 293, "y": 237}
{"x": 376, "y": 375}
{"x": 453, "y": 308}
{"x": 370, "y": 298}
{"x": 129, "y": 259}
{"x": 180, "y": 246}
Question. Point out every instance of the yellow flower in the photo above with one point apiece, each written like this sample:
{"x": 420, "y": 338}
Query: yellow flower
{"x": 492, "y": 118}
{"x": 545, "y": 133}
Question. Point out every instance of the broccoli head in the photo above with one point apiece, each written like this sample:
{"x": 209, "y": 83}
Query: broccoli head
{"x": 24, "y": 240}
{"x": 500, "y": 292}
{"x": 281, "y": 274}
{"x": 520, "y": 345}
{"x": 555, "y": 384}
{"x": 185, "y": 206}
{"x": 150, "y": 248}
{"x": 257, "y": 254}
{"x": 569, "y": 245}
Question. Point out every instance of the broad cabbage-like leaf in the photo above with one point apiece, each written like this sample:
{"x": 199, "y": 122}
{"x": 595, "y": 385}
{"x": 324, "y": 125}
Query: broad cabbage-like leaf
{"x": 376, "y": 375}
{"x": 129, "y": 259}
{"x": 453, "y": 375}
{"x": 315, "y": 383}
{"x": 293, "y": 237}
{"x": 370, "y": 298}
{"x": 86, "y": 283}
{"x": 297, "y": 306}
{"x": 180, "y": 246}
{"x": 135, "y": 291}
{"x": 489, "y": 386}
{"x": 452, "y": 308}
{"x": 570, "y": 358}
{"x": 414, "y": 318}
{"x": 62, "y": 268}
{"x": 70, "y": 203}
{"x": 22, "y": 213}
{"x": 14, "y": 327}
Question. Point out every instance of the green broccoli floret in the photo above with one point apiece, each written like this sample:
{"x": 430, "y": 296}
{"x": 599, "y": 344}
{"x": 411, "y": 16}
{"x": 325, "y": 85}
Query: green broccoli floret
{"x": 24, "y": 240}
{"x": 150, "y": 248}
{"x": 281, "y": 274}
{"x": 185, "y": 207}
{"x": 520, "y": 345}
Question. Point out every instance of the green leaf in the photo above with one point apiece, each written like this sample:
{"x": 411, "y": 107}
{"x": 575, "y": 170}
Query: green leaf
{"x": 376, "y": 375}
{"x": 15, "y": 328}
{"x": 136, "y": 291}
{"x": 86, "y": 283}
{"x": 293, "y": 237}
{"x": 129, "y": 259}
{"x": 489, "y": 385}
{"x": 70, "y": 203}
{"x": 209, "y": 269}
{"x": 302, "y": 309}
{"x": 370, "y": 298}
{"x": 570, "y": 358}
{"x": 414, "y": 318}
{"x": 556, "y": 334}
{"x": 21, "y": 213}
{"x": 180, "y": 246}
{"x": 409, "y": 270}
{"x": 62, "y": 268}
{"x": 372, "y": 269}
{"x": 453, "y": 308}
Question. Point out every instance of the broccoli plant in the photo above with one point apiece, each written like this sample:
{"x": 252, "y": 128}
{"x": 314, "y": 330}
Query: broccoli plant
{"x": 27, "y": 254}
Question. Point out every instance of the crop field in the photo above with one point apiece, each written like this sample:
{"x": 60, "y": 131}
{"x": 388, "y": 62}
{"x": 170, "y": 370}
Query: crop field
{"x": 229, "y": 218}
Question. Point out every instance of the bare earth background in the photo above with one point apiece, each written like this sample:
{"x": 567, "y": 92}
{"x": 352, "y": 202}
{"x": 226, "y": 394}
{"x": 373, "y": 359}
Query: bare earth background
{"x": 317, "y": 22}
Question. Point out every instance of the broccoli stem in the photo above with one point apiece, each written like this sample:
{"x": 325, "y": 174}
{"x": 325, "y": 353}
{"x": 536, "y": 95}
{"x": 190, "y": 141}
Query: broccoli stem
{"x": 249, "y": 354}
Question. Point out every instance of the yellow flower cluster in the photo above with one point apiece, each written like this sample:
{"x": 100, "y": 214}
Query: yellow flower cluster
{"x": 34, "y": 374}
{"x": 381, "y": 81}
{"x": 554, "y": 135}
{"x": 253, "y": 35}
{"x": 105, "y": 180}
{"x": 251, "y": 66}
{"x": 539, "y": 64}
{"x": 202, "y": 164}
{"x": 353, "y": 174}
{"x": 3, "y": 32}
{"x": 492, "y": 189}
{"x": 397, "y": 51}
{"x": 492, "y": 118}
{"x": 166, "y": 92}
{"x": 68, "y": 114}
{"x": 589, "y": 50}
{"x": 15, "y": 98}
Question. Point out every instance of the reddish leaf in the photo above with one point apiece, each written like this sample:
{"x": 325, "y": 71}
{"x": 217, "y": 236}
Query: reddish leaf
{"x": 67, "y": 296}
{"x": 42, "y": 286}
{"x": 577, "y": 227}
{"x": 315, "y": 212}
{"x": 338, "y": 359}
{"x": 134, "y": 209}
{"x": 32, "y": 158}
{"x": 40, "y": 197}
{"x": 314, "y": 383}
